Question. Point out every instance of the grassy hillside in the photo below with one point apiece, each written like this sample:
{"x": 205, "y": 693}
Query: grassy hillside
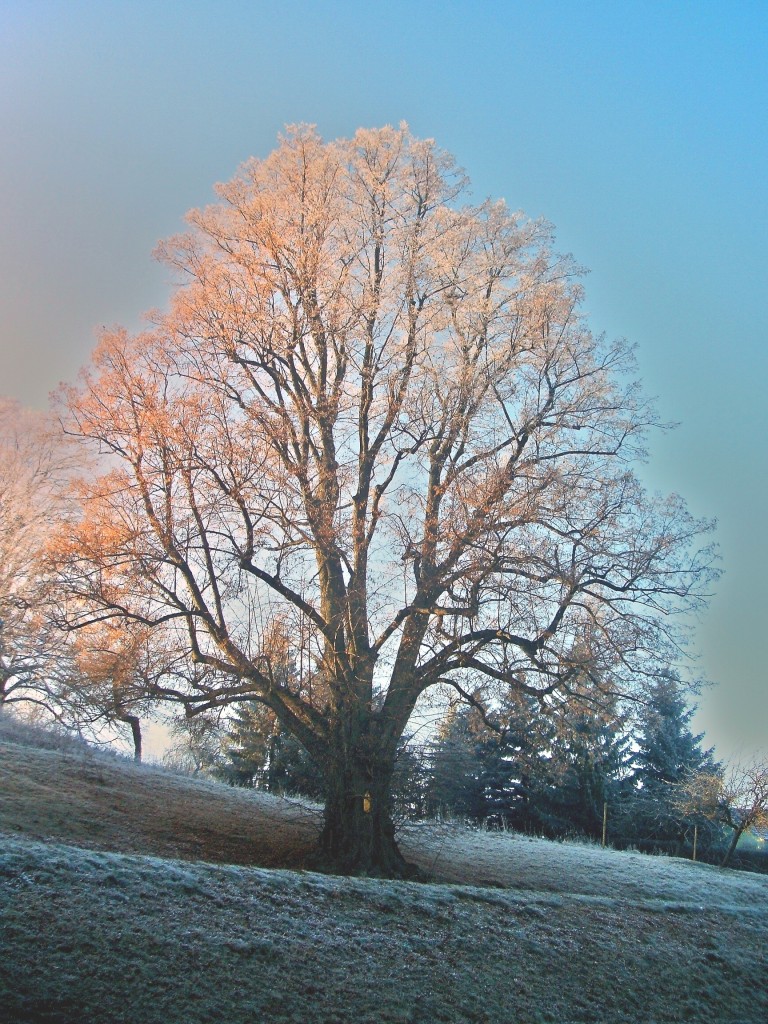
{"x": 131, "y": 895}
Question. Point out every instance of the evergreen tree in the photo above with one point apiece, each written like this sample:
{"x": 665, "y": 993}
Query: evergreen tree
{"x": 515, "y": 763}
{"x": 410, "y": 780}
{"x": 490, "y": 774}
{"x": 668, "y": 754}
{"x": 455, "y": 785}
{"x": 541, "y": 769}
{"x": 261, "y": 754}
{"x": 589, "y": 767}
{"x": 246, "y": 745}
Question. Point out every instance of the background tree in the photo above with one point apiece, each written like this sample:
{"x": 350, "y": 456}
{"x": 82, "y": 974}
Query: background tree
{"x": 375, "y": 416}
{"x": 257, "y": 751}
{"x": 491, "y": 770}
{"x": 735, "y": 797}
{"x": 516, "y": 761}
{"x": 112, "y": 670}
{"x": 36, "y": 463}
{"x": 455, "y": 784}
{"x": 743, "y": 801}
{"x": 249, "y": 739}
{"x": 589, "y": 767}
{"x": 410, "y": 779}
{"x": 197, "y": 745}
{"x": 668, "y": 754}
{"x": 536, "y": 769}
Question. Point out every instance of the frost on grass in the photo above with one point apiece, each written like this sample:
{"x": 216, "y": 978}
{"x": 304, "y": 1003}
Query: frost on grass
{"x": 115, "y": 938}
{"x": 513, "y": 928}
{"x": 111, "y": 804}
{"x": 459, "y": 854}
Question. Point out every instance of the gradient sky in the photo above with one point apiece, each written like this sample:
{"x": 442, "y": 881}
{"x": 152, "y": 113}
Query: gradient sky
{"x": 637, "y": 128}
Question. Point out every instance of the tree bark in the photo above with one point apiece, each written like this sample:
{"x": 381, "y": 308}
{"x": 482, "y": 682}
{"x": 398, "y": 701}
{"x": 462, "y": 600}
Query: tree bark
{"x": 358, "y": 836}
{"x": 135, "y": 723}
{"x": 737, "y": 833}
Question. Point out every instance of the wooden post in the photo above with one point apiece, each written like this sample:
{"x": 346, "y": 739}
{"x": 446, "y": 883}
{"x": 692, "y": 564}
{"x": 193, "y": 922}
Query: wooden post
{"x": 605, "y": 819}
{"x": 695, "y": 839}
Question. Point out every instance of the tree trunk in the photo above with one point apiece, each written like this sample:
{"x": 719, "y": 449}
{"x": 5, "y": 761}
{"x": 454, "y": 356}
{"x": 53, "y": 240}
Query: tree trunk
{"x": 358, "y": 836}
{"x": 135, "y": 723}
{"x": 737, "y": 832}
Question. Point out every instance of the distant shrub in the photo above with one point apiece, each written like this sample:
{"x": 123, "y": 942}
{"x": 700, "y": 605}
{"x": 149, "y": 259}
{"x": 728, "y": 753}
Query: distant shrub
{"x": 750, "y": 860}
{"x": 14, "y": 729}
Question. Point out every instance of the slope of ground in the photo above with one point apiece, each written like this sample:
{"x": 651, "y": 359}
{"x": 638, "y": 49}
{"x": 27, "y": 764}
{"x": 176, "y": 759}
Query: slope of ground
{"x": 107, "y": 803}
{"x": 536, "y": 932}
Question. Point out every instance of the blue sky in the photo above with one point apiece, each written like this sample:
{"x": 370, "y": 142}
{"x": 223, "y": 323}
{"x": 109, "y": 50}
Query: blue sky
{"x": 637, "y": 128}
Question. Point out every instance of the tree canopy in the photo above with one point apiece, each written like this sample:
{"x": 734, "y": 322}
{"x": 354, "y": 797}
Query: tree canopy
{"x": 374, "y": 439}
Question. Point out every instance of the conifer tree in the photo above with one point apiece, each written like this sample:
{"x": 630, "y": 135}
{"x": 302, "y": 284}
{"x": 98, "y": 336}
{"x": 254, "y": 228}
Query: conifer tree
{"x": 260, "y": 753}
{"x": 491, "y": 770}
{"x": 455, "y": 784}
{"x": 668, "y": 754}
{"x": 589, "y": 767}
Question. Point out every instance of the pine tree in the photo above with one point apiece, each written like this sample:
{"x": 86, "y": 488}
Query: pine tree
{"x": 589, "y": 767}
{"x": 515, "y": 763}
{"x": 263, "y": 755}
{"x": 668, "y": 753}
{"x": 454, "y": 785}
{"x": 246, "y": 745}
{"x": 490, "y": 773}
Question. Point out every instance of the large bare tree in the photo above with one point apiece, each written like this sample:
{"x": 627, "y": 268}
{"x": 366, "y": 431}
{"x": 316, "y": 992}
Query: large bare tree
{"x": 374, "y": 431}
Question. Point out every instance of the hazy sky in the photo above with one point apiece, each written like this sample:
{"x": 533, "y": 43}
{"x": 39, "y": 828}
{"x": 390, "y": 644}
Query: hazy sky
{"x": 637, "y": 128}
